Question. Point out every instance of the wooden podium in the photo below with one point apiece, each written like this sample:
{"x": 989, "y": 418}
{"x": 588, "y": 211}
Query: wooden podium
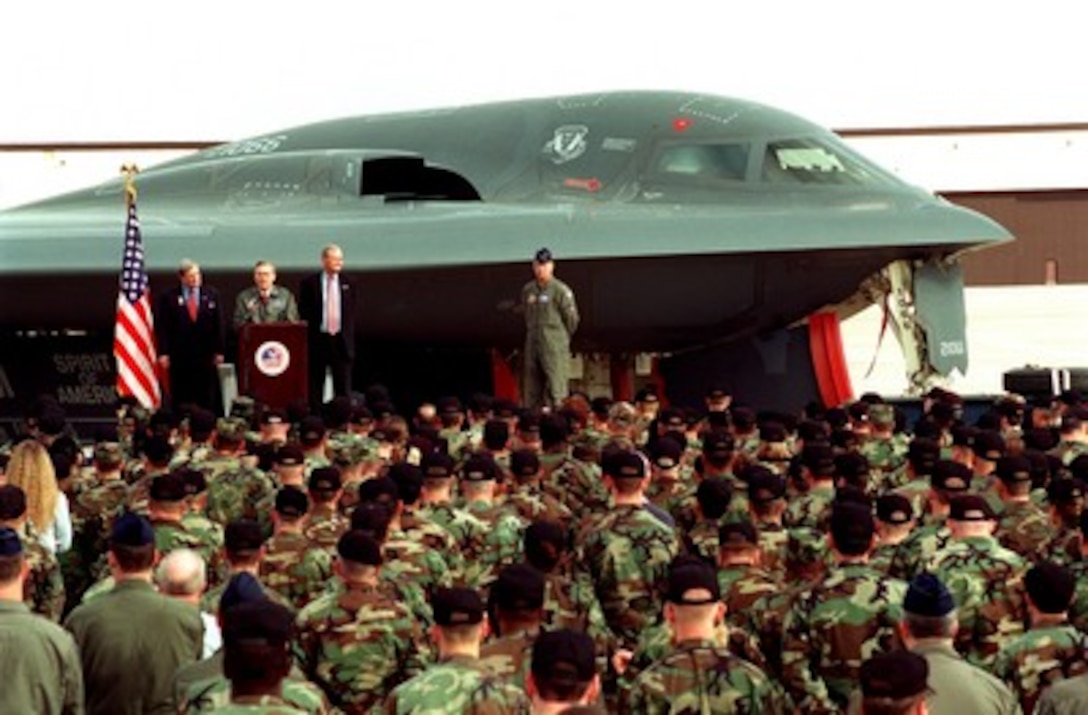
{"x": 273, "y": 363}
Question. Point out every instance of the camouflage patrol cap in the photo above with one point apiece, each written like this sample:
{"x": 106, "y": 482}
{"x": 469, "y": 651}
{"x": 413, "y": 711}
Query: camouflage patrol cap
{"x": 349, "y": 452}
{"x": 524, "y": 463}
{"x": 243, "y": 587}
{"x": 764, "y": 486}
{"x": 359, "y": 547}
{"x": 10, "y": 543}
{"x": 437, "y": 465}
{"x": 132, "y": 530}
{"x": 1013, "y": 469}
{"x": 232, "y": 429}
{"x": 12, "y": 502}
{"x": 1050, "y": 587}
{"x": 737, "y": 535}
{"x": 480, "y": 467}
{"x": 686, "y": 576}
{"x": 989, "y": 445}
{"x": 290, "y": 455}
{"x": 882, "y": 415}
{"x": 292, "y": 502}
{"x": 971, "y": 507}
{"x": 1065, "y": 491}
{"x": 242, "y": 536}
{"x": 625, "y": 465}
{"x": 518, "y": 587}
{"x": 894, "y": 509}
{"x": 667, "y": 453}
{"x": 168, "y": 488}
{"x": 457, "y": 606}
{"x": 893, "y": 676}
{"x": 563, "y": 656}
{"x": 950, "y": 476}
{"x": 928, "y": 596}
{"x": 325, "y": 480}
{"x": 109, "y": 453}
{"x": 257, "y": 623}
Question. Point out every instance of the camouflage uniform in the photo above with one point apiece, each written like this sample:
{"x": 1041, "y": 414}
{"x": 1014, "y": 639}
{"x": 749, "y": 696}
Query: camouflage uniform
{"x": 657, "y": 641}
{"x": 742, "y": 585}
{"x": 812, "y": 510}
{"x": 43, "y": 590}
{"x": 529, "y": 503}
{"x": 917, "y": 550}
{"x": 433, "y": 537}
{"x": 325, "y": 526}
{"x": 1025, "y": 528}
{"x": 1078, "y": 609}
{"x": 626, "y": 557}
{"x": 469, "y": 532}
{"x": 699, "y": 676}
{"x": 457, "y": 684}
{"x": 139, "y": 494}
{"x": 357, "y": 643}
{"x": 888, "y": 458}
{"x": 1039, "y": 658}
{"x": 509, "y": 656}
{"x": 889, "y": 559}
{"x": 832, "y": 628}
{"x": 1064, "y": 549}
{"x": 773, "y": 540}
{"x": 295, "y": 568}
{"x": 579, "y": 485}
{"x": 500, "y": 546}
{"x": 985, "y": 578}
{"x": 412, "y": 561}
{"x": 297, "y": 695}
{"x": 174, "y": 535}
{"x": 235, "y": 491}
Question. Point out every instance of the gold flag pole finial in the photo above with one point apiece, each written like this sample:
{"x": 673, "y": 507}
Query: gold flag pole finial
{"x": 129, "y": 171}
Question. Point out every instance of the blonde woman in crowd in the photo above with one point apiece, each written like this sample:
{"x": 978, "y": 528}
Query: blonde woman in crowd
{"x": 31, "y": 469}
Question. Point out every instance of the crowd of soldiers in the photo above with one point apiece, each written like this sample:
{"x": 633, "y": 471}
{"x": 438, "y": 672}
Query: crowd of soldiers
{"x": 601, "y": 557}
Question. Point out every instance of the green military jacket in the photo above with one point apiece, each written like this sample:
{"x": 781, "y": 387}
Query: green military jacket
{"x": 279, "y": 306}
{"x": 40, "y": 663}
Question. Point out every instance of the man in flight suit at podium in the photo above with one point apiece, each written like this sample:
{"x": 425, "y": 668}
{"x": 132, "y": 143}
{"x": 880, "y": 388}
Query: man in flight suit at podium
{"x": 264, "y": 301}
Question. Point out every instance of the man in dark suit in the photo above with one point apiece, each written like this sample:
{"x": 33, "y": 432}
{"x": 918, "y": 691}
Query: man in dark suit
{"x": 327, "y": 304}
{"x": 190, "y": 330}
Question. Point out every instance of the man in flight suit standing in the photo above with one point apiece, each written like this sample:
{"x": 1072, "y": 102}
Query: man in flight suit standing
{"x": 551, "y": 317}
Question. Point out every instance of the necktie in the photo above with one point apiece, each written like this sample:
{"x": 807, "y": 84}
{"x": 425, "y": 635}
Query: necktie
{"x": 332, "y": 306}
{"x": 194, "y": 304}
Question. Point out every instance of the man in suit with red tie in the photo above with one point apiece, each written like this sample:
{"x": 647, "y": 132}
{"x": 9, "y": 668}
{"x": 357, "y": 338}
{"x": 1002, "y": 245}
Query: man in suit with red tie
{"x": 327, "y": 304}
{"x": 190, "y": 330}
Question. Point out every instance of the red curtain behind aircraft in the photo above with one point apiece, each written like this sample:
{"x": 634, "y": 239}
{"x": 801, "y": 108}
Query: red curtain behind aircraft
{"x": 828, "y": 359}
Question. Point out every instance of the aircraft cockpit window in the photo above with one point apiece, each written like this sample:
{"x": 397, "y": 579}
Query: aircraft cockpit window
{"x": 713, "y": 162}
{"x": 811, "y": 161}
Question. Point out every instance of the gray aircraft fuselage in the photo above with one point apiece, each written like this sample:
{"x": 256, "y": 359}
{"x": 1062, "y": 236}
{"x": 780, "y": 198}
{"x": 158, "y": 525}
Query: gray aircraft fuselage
{"x": 679, "y": 219}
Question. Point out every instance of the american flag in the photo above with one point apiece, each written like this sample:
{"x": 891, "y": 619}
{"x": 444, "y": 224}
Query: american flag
{"x": 134, "y": 334}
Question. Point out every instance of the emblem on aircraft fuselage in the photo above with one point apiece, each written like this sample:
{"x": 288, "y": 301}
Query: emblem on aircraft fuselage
{"x": 567, "y": 144}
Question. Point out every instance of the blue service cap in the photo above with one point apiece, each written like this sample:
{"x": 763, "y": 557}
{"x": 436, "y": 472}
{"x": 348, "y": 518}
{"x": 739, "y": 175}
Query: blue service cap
{"x": 928, "y": 596}
{"x": 10, "y": 543}
{"x": 132, "y": 530}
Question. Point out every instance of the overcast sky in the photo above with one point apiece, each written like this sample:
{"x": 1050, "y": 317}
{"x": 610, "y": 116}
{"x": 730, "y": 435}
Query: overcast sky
{"x": 200, "y": 70}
